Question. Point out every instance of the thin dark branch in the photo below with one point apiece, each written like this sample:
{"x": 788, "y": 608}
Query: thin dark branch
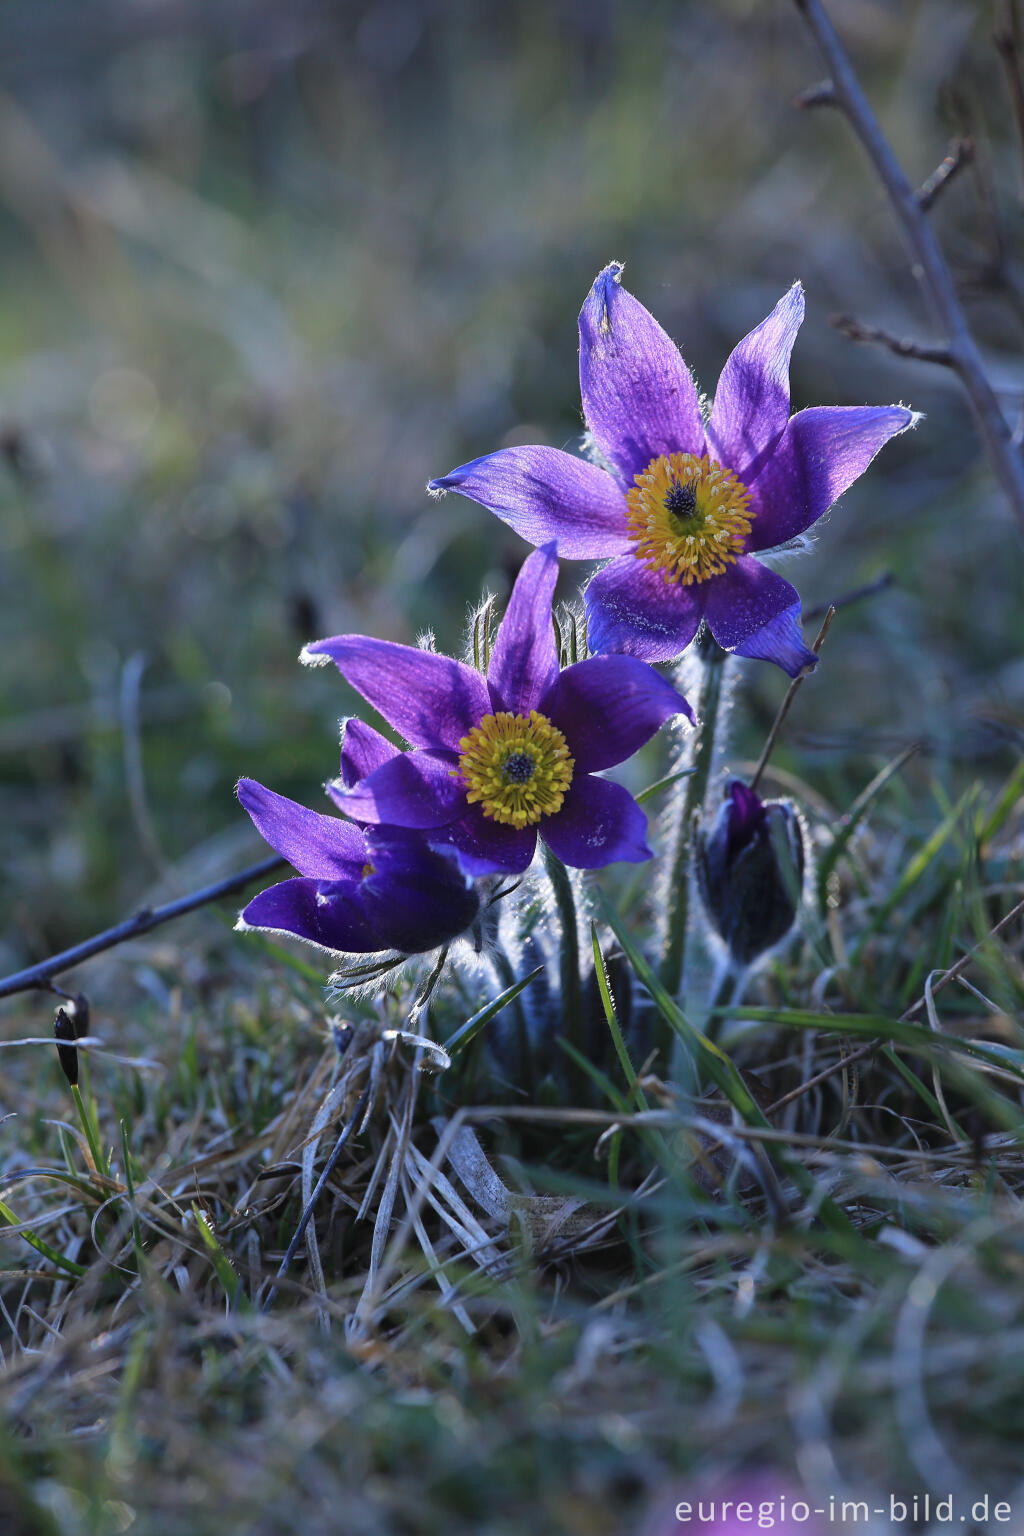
{"x": 924, "y": 351}
{"x": 961, "y": 153}
{"x": 855, "y": 595}
{"x": 41, "y": 975}
{"x": 930, "y": 264}
{"x": 965, "y": 960}
{"x": 787, "y": 703}
{"x": 1007, "y": 40}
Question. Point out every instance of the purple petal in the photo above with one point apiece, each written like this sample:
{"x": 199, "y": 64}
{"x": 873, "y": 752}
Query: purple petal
{"x": 755, "y": 612}
{"x": 323, "y": 847}
{"x": 329, "y": 915}
{"x": 547, "y": 495}
{"x": 432, "y": 700}
{"x": 412, "y": 789}
{"x": 781, "y": 641}
{"x": 487, "y": 847}
{"x": 745, "y": 814}
{"x": 600, "y": 823}
{"x": 416, "y": 898}
{"x": 362, "y": 750}
{"x": 751, "y": 406}
{"x": 524, "y": 662}
{"x": 820, "y": 454}
{"x": 633, "y": 609}
{"x": 638, "y": 397}
{"x": 608, "y": 707}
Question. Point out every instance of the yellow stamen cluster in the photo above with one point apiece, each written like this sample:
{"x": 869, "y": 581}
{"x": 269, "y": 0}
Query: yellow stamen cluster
{"x": 689, "y": 517}
{"x": 517, "y": 767}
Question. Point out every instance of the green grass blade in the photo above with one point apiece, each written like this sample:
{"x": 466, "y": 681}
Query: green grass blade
{"x": 608, "y": 1004}
{"x": 468, "y": 1032}
{"x": 853, "y": 818}
{"x": 1006, "y": 802}
{"x": 68, "y": 1265}
{"x": 918, "y": 865}
{"x": 223, "y": 1267}
{"x": 665, "y": 783}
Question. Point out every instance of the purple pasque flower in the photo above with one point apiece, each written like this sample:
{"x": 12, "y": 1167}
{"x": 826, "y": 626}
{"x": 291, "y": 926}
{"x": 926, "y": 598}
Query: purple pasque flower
{"x": 684, "y": 507}
{"x": 496, "y": 760}
{"x": 362, "y": 889}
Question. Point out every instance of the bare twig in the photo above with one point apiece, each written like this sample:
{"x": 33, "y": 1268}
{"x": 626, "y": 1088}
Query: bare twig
{"x": 962, "y": 964}
{"x": 855, "y": 595}
{"x": 1007, "y": 41}
{"x": 41, "y": 975}
{"x": 961, "y": 153}
{"x": 903, "y": 346}
{"x": 787, "y": 703}
{"x": 929, "y": 262}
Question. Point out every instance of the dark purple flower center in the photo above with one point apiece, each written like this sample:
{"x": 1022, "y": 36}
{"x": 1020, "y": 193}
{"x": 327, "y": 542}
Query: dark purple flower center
{"x": 518, "y": 768}
{"x": 681, "y": 499}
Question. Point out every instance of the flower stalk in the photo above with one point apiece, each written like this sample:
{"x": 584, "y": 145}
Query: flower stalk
{"x": 569, "y": 949}
{"x": 507, "y": 976}
{"x": 689, "y": 799}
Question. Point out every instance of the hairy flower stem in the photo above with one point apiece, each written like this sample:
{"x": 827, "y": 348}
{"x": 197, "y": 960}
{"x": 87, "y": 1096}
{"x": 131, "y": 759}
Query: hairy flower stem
{"x": 689, "y": 799}
{"x": 569, "y": 950}
{"x": 507, "y": 975}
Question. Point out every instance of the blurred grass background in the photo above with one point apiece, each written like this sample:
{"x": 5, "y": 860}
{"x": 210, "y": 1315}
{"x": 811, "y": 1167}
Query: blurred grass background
{"x": 266, "y": 267}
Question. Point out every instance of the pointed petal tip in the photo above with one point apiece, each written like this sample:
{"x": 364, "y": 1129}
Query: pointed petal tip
{"x": 251, "y": 795}
{"x": 545, "y": 494}
{"x": 612, "y": 273}
{"x": 311, "y": 656}
{"x": 598, "y": 300}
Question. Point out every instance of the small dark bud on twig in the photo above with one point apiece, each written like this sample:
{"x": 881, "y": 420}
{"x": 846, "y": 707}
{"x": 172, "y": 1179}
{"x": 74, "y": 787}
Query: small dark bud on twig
{"x": 64, "y": 1030}
{"x": 961, "y": 153}
{"x": 78, "y": 1008}
{"x": 750, "y": 869}
{"x": 821, "y": 94}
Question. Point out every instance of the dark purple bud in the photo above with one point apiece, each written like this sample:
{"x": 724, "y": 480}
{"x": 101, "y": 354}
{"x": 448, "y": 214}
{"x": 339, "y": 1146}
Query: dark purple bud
{"x": 78, "y": 1008}
{"x": 750, "y": 868}
{"x": 67, "y": 1055}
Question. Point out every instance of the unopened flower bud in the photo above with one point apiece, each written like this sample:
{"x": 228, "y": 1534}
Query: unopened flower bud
{"x": 78, "y": 1008}
{"x": 67, "y": 1055}
{"x": 750, "y": 867}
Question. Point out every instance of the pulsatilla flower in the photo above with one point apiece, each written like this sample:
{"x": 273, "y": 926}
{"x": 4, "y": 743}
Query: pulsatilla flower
{"x": 362, "y": 889}
{"x": 750, "y": 869}
{"x": 684, "y": 507}
{"x": 497, "y": 760}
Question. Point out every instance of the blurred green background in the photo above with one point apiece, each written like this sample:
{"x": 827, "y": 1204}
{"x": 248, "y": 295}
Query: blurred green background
{"x": 267, "y": 267}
